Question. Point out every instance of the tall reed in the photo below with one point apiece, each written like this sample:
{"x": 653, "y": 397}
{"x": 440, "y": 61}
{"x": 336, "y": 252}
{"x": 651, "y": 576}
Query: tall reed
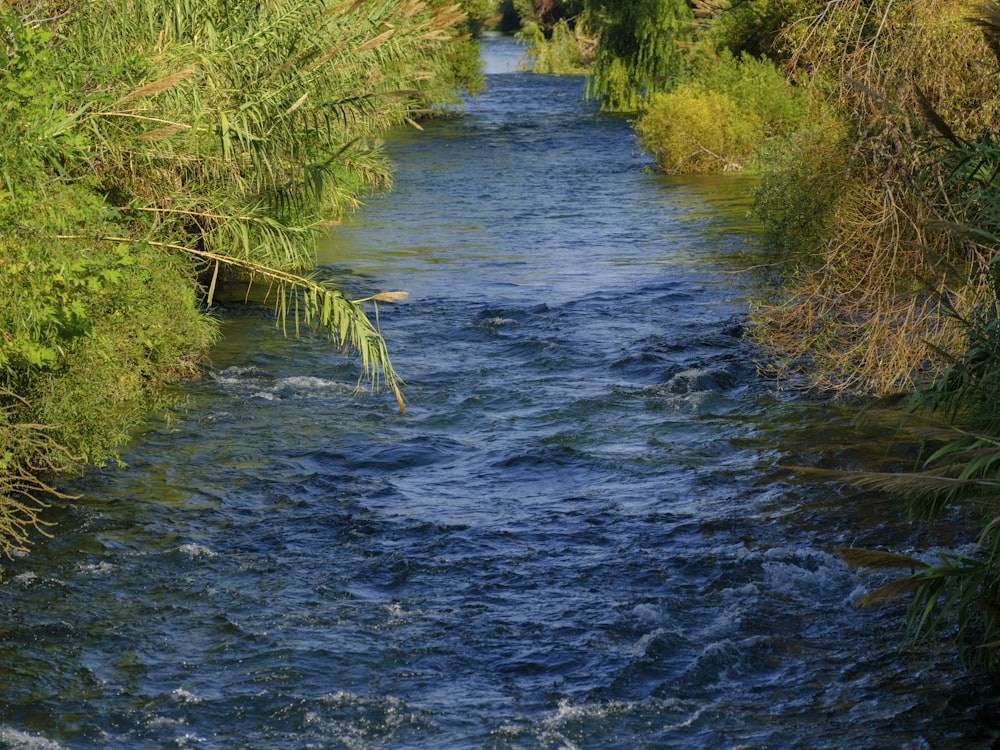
{"x": 150, "y": 146}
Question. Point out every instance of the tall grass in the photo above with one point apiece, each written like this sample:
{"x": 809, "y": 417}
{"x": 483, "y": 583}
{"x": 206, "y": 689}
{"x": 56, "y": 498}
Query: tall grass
{"x": 956, "y": 598}
{"x": 148, "y": 149}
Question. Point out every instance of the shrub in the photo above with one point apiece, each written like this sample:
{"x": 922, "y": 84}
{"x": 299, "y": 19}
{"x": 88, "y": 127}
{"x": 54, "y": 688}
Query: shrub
{"x": 690, "y": 131}
{"x": 859, "y": 312}
{"x": 757, "y": 28}
{"x": 722, "y": 116}
{"x": 802, "y": 180}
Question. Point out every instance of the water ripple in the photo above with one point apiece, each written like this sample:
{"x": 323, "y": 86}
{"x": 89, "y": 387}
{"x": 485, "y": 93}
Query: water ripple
{"x": 579, "y": 536}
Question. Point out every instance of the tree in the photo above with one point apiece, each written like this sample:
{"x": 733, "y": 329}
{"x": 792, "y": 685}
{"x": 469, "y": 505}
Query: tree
{"x": 637, "y": 52}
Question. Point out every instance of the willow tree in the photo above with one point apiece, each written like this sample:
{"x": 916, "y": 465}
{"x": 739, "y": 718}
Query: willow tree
{"x": 637, "y": 51}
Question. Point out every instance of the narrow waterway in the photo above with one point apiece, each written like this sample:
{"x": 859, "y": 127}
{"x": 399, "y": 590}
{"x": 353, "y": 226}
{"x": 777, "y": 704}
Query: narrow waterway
{"x": 579, "y": 536}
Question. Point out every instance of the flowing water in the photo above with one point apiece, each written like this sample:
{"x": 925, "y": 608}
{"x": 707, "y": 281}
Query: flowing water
{"x": 579, "y": 536}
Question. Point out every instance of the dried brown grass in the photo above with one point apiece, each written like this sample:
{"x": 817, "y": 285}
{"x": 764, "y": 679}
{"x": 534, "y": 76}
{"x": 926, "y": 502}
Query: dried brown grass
{"x": 862, "y": 312}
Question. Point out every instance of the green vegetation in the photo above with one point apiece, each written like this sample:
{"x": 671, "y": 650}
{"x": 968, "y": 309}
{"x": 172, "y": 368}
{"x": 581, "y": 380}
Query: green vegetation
{"x": 956, "y": 597}
{"x": 721, "y": 115}
{"x": 629, "y": 47}
{"x": 708, "y": 97}
{"x": 857, "y": 306}
{"x": 637, "y": 50}
{"x": 566, "y": 50}
{"x": 152, "y": 149}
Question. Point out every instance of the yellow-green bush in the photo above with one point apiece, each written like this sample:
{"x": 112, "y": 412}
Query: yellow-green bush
{"x": 722, "y": 116}
{"x": 690, "y": 130}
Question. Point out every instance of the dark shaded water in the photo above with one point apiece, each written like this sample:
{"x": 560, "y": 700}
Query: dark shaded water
{"x": 578, "y": 537}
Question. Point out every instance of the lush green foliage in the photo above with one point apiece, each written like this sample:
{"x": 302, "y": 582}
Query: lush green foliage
{"x": 149, "y": 144}
{"x": 722, "y": 116}
{"x": 758, "y": 28}
{"x": 797, "y": 221}
{"x": 638, "y": 52}
{"x": 566, "y": 50}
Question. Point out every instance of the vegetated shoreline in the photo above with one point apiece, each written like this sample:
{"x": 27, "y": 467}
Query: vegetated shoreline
{"x": 151, "y": 150}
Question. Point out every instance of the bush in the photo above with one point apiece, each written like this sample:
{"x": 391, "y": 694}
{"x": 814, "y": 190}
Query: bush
{"x": 858, "y": 312}
{"x": 722, "y": 117}
{"x": 638, "y": 52}
{"x": 691, "y": 131}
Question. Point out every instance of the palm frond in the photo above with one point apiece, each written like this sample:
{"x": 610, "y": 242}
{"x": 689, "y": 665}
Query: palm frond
{"x": 878, "y": 559}
{"x": 303, "y": 300}
{"x": 893, "y": 590}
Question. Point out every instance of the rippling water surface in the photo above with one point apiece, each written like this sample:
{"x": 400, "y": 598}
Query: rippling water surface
{"x": 579, "y": 536}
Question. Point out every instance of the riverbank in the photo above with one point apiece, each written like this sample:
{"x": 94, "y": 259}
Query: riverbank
{"x": 151, "y": 149}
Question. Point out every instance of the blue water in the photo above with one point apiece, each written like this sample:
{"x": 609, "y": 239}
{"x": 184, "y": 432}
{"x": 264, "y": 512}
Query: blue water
{"x": 580, "y": 535}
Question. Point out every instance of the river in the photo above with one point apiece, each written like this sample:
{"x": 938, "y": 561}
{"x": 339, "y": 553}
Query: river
{"x": 579, "y": 536}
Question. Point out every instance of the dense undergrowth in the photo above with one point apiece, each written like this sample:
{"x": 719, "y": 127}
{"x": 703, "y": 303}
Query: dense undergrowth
{"x": 150, "y": 149}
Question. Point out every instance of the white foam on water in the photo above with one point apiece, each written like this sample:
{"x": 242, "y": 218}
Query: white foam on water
{"x": 15, "y": 739}
{"x": 806, "y": 575}
{"x": 96, "y": 569}
{"x": 189, "y": 740}
{"x": 294, "y": 386}
{"x": 24, "y": 579}
{"x": 641, "y": 647}
{"x": 235, "y": 375}
{"x": 647, "y": 614}
{"x": 196, "y": 550}
{"x": 358, "y": 722}
{"x": 309, "y": 383}
{"x": 569, "y": 717}
{"x": 160, "y": 722}
{"x": 185, "y": 696}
